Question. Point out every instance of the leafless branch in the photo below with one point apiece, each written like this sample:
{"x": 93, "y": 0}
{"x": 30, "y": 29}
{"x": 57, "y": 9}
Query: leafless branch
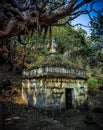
{"x": 79, "y": 24}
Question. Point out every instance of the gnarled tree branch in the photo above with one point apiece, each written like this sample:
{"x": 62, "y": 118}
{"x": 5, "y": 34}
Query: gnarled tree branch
{"x": 30, "y": 13}
{"x": 8, "y": 29}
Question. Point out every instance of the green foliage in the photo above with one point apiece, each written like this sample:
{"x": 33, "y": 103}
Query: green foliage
{"x": 96, "y": 79}
{"x": 73, "y": 47}
{"x": 81, "y": 51}
{"x": 68, "y": 39}
{"x": 97, "y": 30}
{"x": 92, "y": 82}
{"x": 97, "y": 26}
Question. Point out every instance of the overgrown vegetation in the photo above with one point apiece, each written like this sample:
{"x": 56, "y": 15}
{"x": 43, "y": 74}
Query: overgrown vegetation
{"x": 25, "y": 24}
{"x": 27, "y": 30}
{"x": 72, "y": 47}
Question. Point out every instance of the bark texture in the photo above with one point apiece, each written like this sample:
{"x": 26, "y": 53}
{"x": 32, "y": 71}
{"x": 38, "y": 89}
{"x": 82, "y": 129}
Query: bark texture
{"x": 19, "y": 16}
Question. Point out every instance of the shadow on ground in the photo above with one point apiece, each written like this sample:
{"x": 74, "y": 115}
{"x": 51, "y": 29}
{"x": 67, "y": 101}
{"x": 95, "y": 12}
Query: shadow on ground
{"x": 19, "y": 116}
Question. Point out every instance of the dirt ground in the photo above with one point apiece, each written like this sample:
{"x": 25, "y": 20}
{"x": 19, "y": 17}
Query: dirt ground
{"x": 15, "y": 114}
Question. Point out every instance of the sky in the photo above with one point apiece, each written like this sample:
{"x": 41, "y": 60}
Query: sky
{"x": 84, "y": 19}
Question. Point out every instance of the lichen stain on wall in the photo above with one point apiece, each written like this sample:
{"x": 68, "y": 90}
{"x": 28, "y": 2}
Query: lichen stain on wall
{"x": 50, "y": 92}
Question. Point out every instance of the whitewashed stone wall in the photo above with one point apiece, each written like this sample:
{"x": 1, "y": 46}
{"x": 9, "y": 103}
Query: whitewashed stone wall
{"x": 47, "y": 92}
{"x": 42, "y": 71}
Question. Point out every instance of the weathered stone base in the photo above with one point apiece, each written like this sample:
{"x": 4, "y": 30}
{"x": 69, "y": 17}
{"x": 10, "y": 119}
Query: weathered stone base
{"x": 50, "y": 93}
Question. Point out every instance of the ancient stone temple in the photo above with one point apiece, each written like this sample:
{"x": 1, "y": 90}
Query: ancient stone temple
{"x": 54, "y": 86}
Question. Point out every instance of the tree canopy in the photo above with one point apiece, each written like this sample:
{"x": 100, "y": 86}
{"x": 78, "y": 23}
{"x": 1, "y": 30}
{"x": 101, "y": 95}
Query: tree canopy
{"x": 97, "y": 30}
{"x": 19, "y": 16}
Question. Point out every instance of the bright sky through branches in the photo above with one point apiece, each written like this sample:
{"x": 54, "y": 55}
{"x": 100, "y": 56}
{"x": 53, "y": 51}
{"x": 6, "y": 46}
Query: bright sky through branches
{"x": 85, "y": 20}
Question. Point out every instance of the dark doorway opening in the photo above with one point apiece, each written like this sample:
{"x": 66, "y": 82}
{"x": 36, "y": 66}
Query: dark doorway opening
{"x": 69, "y": 98}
